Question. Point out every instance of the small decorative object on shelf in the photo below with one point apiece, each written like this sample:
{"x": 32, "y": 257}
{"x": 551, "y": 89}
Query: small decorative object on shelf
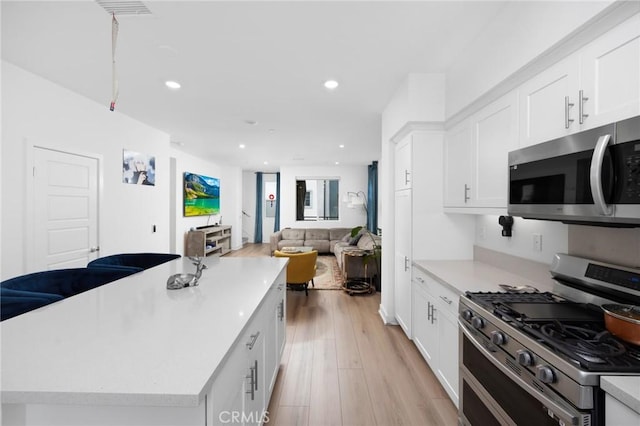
{"x": 178, "y": 281}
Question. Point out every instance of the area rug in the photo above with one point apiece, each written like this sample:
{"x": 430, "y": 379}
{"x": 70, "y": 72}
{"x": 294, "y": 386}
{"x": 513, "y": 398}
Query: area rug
{"x": 328, "y": 275}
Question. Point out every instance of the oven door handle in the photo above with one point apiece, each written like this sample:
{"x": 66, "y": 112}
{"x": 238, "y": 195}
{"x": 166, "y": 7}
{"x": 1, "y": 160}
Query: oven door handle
{"x": 595, "y": 176}
{"x": 558, "y": 410}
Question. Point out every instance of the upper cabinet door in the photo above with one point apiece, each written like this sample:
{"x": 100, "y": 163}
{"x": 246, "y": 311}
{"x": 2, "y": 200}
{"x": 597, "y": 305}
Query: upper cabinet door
{"x": 476, "y": 156}
{"x": 611, "y": 75}
{"x": 457, "y": 166}
{"x": 403, "y": 176}
{"x": 495, "y": 130}
{"x": 548, "y": 103}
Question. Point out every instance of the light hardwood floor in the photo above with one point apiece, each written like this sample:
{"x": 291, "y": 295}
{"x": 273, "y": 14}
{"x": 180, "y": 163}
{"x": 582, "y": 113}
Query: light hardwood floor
{"x": 343, "y": 366}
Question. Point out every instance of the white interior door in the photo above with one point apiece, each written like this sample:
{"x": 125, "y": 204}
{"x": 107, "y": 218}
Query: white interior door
{"x": 65, "y": 210}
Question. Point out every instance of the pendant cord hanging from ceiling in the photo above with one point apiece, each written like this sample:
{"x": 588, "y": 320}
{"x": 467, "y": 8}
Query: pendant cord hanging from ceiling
{"x": 114, "y": 39}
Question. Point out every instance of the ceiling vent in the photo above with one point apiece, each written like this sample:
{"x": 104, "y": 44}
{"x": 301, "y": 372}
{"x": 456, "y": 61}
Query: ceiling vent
{"x": 119, "y": 7}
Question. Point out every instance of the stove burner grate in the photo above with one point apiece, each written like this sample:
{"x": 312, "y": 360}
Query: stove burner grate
{"x": 592, "y": 345}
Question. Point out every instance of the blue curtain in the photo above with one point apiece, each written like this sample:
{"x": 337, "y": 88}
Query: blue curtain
{"x": 276, "y": 224}
{"x": 372, "y": 199}
{"x": 257, "y": 233}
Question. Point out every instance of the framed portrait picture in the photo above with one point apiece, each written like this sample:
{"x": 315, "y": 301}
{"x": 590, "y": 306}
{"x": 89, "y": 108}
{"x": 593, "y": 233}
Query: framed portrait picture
{"x": 138, "y": 169}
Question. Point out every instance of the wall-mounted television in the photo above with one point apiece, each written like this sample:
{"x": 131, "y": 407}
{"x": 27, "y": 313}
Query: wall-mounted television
{"x": 201, "y": 195}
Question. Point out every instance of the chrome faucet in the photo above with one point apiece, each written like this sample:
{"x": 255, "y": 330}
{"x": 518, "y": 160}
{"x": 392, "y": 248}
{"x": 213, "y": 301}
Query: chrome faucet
{"x": 178, "y": 281}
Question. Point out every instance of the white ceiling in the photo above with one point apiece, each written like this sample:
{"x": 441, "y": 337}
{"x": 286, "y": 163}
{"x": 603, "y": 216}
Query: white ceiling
{"x": 236, "y": 60}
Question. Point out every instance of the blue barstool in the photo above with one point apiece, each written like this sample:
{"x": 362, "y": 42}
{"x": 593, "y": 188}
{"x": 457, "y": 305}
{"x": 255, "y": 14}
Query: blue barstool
{"x": 28, "y": 292}
{"x": 132, "y": 260}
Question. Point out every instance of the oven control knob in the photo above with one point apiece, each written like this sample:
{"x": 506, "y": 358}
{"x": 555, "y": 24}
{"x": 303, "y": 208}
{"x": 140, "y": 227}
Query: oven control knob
{"x": 477, "y": 322}
{"x": 467, "y": 315}
{"x": 545, "y": 374}
{"x": 498, "y": 338}
{"x": 524, "y": 358}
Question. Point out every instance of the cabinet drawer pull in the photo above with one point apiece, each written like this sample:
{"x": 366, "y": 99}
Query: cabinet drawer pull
{"x": 420, "y": 279}
{"x": 406, "y": 263}
{"x": 581, "y": 100}
{"x": 251, "y": 378}
{"x": 406, "y": 177}
{"x": 567, "y": 106}
{"x": 466, "y": 193}
{"x": 255, "y": 382}
{"x": 254, "y": 337}
{"x": 446, "y": 299}
{"x": 281, "y": 311}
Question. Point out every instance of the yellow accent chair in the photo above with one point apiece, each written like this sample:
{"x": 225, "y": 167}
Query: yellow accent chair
{"x": 301, "y": 268}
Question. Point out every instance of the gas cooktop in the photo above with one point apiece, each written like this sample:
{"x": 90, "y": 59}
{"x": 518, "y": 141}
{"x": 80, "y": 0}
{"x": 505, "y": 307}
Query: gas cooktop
{"x": 574, "y": 331}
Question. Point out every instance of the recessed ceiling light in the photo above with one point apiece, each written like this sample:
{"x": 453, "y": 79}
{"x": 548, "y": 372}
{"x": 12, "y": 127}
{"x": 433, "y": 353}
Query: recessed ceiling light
{"x": 251, "y": 122}
{"x": 241, "y": 146}
{"x": 172, "y": 84}
{"x": 266, "y": 162}
{"x": 340, "y": 146}
{"x": 331, "y": 84}
{"x": 337, "y": 163}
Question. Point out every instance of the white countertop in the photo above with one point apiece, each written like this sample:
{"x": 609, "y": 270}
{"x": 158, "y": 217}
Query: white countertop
{"x": 132, "y": 341}
{"x": 470, "y": 275}
{"x": 625, "y": 389}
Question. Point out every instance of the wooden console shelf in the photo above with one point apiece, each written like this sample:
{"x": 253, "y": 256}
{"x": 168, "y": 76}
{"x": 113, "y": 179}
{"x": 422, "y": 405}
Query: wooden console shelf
{"x": 209, "y": 241}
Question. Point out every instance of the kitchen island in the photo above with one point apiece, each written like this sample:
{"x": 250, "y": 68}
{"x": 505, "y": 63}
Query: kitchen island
{"x": 133, "y": 352}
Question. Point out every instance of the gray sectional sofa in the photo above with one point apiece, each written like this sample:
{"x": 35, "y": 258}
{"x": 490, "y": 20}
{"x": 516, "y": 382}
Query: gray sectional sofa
{"x": 323, "y": 240}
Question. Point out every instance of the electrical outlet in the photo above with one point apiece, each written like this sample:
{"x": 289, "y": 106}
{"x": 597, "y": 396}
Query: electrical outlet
{"x": 537, "y": 242}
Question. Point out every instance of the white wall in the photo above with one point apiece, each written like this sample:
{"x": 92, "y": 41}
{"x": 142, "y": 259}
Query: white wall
{"x": 230, "y": 198}
{"x": 352, "y": 178}
{"x": 554, "y": 237}
{"x": 249, "y": 205}
{"x": 267, "y": 222}
{"x": 520, "y": 32}
{"x": 37, "y": 111}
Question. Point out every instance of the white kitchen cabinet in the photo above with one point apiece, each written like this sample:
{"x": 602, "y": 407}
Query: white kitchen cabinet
{"x": 610, "y": 76}
{"x": 403, "y": 235}
{"x": 457, "y": 165}
{"x": 436, "y": 329}
{"x": 476, "y": 154}
{"x": 425, "y": 331}
{"x": 597, "y": 85}
{"x": 241, "y": 392}
{"x": 238, "y": 394}
{"x": 447, "y": 371}
{"x": 619, "y": 414}
{"x": 548, "y": 103}
{"x": 275, "y": 337}
{"x": 403, "y": 163}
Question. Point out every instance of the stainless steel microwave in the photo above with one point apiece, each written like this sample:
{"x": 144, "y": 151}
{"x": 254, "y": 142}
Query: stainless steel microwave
{"x": 591, "y": 177}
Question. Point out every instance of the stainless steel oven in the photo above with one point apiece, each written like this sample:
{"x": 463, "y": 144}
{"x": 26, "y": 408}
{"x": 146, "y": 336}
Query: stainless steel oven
{"x": 592, "y": 176}
{"x": 529, "y": 358}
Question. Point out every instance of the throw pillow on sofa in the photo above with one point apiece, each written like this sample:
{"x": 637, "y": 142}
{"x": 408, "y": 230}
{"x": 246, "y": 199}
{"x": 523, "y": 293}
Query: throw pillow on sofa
{"x": 354, "y": 241}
